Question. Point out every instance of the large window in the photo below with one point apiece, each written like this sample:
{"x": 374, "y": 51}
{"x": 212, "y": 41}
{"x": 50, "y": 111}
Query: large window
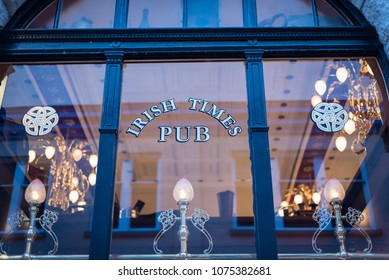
{"x": 183, "y": 120}
{"x": 309, "y": 148}
{"x": 49, "y": 131}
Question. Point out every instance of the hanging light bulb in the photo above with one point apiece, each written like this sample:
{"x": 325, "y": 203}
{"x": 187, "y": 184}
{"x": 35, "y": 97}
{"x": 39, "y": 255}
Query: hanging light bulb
{"x": 73, "y": 196}
{"x": 77, "y": 154}
{"x": 81, "y": 204}
{"x": 316, "y": 99}
{"x": 93, "y": 160}
{"x": 341, "y": 143}
{"x": 284, "y": 204}
{"x": 281, "y": 212}
{"x": 320, "y": 87}
{"x": 49, "y": 152}
{"x": 316, "y": 197}
{"x": 31, "y": 156}
{"x": 75, "y": 182}
{"x": 92, "y": 179}
{"x": 298, "y": 199}
{"x": 349, "y": 126}
{"x": 342, "y": 74}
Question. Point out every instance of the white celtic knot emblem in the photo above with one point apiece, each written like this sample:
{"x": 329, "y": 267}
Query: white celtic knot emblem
{"x": 40, "y": 120}
{"x": 329, "y": 117}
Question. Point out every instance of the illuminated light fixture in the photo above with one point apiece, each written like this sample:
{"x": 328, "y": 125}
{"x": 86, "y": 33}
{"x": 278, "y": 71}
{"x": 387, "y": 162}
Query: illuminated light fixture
{"x": 183, "y": 194}
{"x": 74, "y": 196}
{"x": 93, "y": 159}
{"x": 342, "y": 74}
{"x": 81, "y": 205}
{"x": 356, "y": 88}
{"x": 316, "y": 197}
{"x": 31, "y": 156}
{"x": 75, "y": 182}
{"x": 320, "y": 87}
{"x": 92, "y": 179}
{"x": 49, "y": 152}
{"x": 77, "y": 154}
{"x": 341, "y": 143}
{"x": 35, "y": 194}
{"x": 350, "y": 127}
{"x": 334, "y": 193}
{"x": 315, "y": 99}
{"x": 68, "y": 170}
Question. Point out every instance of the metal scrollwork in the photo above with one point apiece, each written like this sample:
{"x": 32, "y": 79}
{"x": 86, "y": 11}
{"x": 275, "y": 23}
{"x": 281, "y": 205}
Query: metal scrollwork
{"x": 354, "y": 217}
{"x": 167, "y": 219}
{"x": 329, "y": 117}
{"x": 199, "y": 218}
{"x": 16, "y": 220}
{"x": 46, "y": 221}
{"x": 323, "y": 218}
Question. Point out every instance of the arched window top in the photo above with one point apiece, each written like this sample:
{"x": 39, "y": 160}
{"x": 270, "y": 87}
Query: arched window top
{"x": 144, "y": 14}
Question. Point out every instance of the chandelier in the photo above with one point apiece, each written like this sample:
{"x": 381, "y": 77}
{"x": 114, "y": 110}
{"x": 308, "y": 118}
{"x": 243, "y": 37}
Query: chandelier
{"x": 72, "y": 169}
{"x": 349, "y": 85}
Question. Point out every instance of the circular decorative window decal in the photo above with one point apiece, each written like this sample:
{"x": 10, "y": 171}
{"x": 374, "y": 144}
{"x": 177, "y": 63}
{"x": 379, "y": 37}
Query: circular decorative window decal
{"x": 329, "y": 117}
{"x": 40, "y": 121}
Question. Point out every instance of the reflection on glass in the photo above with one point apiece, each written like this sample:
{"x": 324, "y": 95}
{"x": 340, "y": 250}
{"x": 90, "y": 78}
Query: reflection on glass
{"x": 328, "y": 16}
{"x": 47, "y": 113}
{"x": 188, "y": 13}
{"x": 155, "y": 13}
{"x": 305, "y": 156}
{"x": 83, "y": 14}
{"x": 183, "y": 120}
{"x": 280, "y": 13}
{"x": 46, "y": 18}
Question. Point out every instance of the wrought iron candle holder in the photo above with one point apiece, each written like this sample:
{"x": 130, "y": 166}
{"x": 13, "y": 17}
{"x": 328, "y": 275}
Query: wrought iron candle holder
{"x": 35, "y": 195}
{"x": 183, "y": 194}
{"x": 334, "y": 193}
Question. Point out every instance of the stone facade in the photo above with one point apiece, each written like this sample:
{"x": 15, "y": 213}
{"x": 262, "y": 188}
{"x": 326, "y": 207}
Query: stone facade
{"x": 375, "y": 11}
{"x": 7, "y": 9}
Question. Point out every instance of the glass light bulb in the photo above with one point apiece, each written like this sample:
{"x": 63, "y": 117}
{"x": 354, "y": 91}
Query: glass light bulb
{"x": 77, "y": 154}
{"x": 75, "y": 182}
{"x": 316, "y": 197}
{"x": 349, "y": 126}
{"x": 93, "y": 160}
{"x": 316, "y": 99}
{"x": 342, "y": 74}
{"x": 183, "y": 190}
{"x": 92, "y": 179}
{"x": 73, "y": 196}
{"x": 341, "y": 143}
{"x": 281, "y": 212}
{"x": 320, "y": 87}
{"x": 333, "y": 189}
{"x": 298, "y": 199}
{"x": 31, "y": 156}
{"x": 82, "y": 204}
{"x": 49, "y": 152}
{"x": 284, "y": 204}
{"x": 35, "y": 192}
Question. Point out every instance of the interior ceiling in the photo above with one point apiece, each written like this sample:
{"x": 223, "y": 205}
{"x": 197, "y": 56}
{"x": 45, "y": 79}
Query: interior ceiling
{"x": 289, "y": 87}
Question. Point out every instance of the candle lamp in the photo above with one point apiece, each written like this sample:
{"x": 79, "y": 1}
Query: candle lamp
{"x": 35, "y": 195}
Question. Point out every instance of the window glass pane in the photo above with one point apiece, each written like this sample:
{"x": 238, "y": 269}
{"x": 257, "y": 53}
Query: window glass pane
{"x": 328, "y": 16}
{"x": 87, "y": 14}
{"x": 50, "y": 116}
{"x": 199, "y": 13}
{"x": 155, "y": 13}
{"x": 340, "y": 141}
{"x": 183, "y": 120}
{"x": 215, "y": 13}
{"x": 282, "y": 13}
{"x": 46, "y": 18}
